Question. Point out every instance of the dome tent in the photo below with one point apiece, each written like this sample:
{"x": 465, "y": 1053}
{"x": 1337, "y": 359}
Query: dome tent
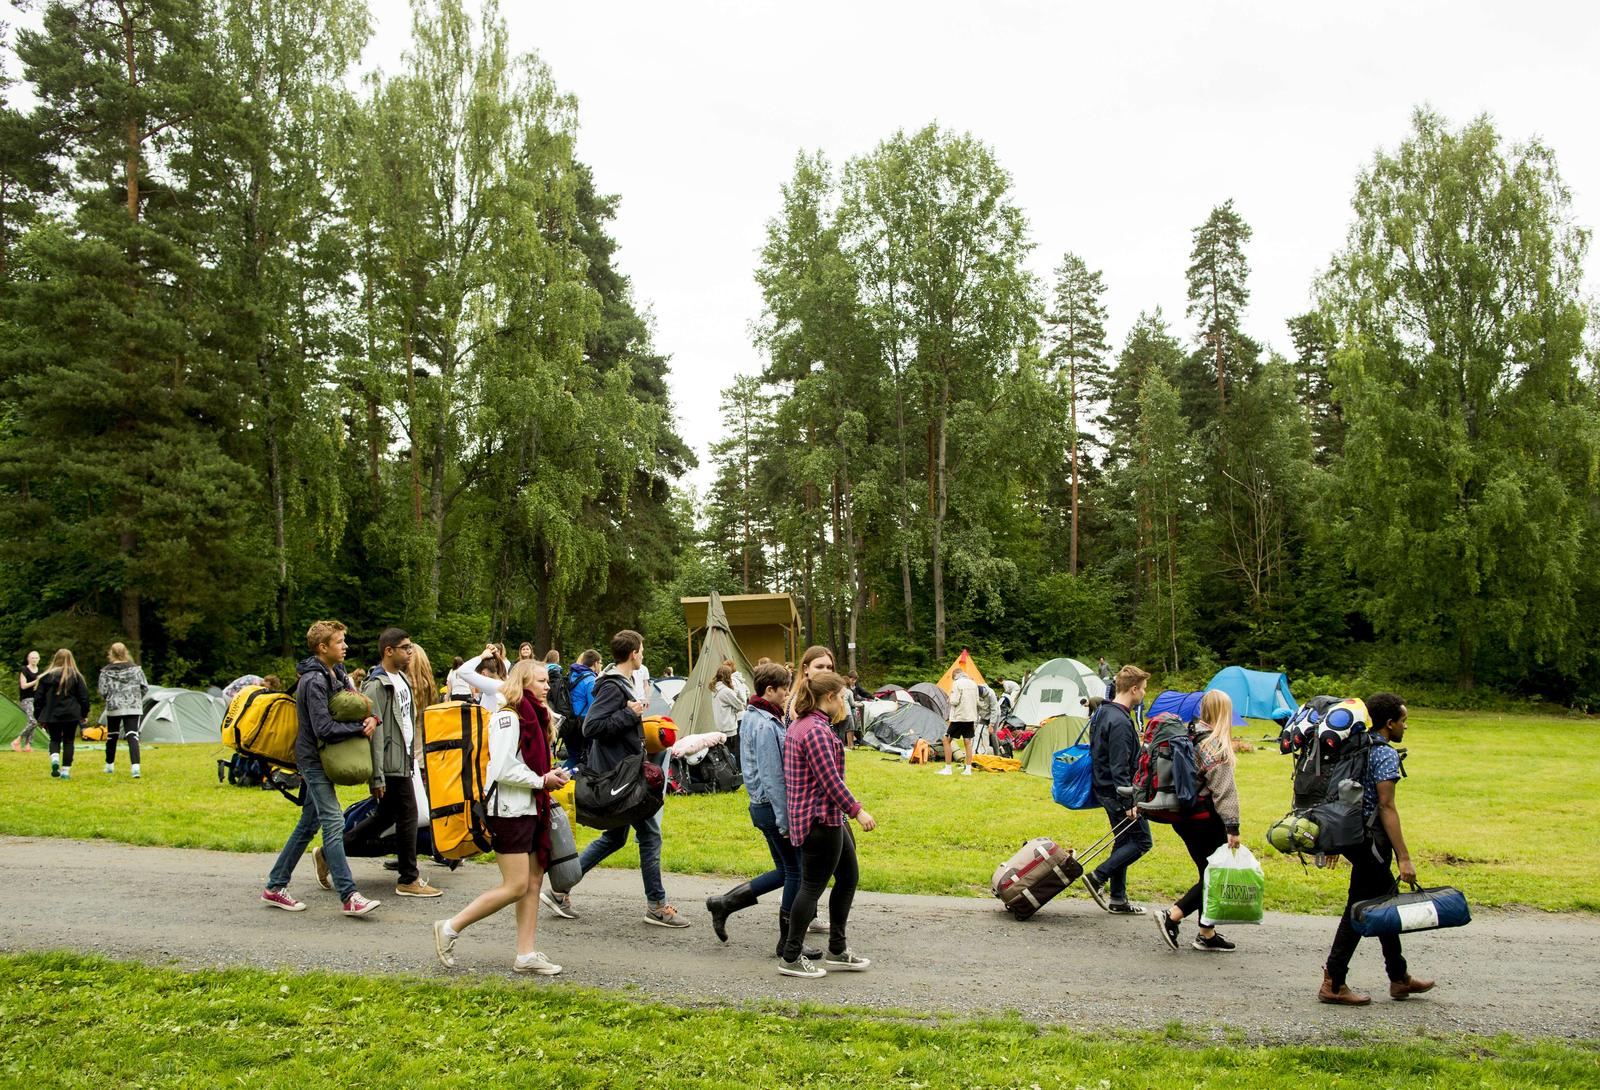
{"x": 13, "y": 720}
{"x": 181, "y": 716}
{"x": 1058, "y": 687}
{"x": 898, "y": 731}
{"x": 1256, "y": 694}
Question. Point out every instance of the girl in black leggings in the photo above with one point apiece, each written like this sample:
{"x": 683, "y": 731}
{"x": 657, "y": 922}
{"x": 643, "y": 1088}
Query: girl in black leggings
{"x": 1209, "y": 830}
{"x": 61, "y": 705}
{"x": 820, "y": 806}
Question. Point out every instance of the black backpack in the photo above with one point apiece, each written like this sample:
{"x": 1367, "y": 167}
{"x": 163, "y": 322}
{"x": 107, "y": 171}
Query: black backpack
{"x": 560, "y": 697}
{"x": 717, "y": 772}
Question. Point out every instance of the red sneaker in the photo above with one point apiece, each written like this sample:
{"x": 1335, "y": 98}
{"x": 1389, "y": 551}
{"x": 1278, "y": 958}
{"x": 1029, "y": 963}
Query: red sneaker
{"x": 279, "y": 898}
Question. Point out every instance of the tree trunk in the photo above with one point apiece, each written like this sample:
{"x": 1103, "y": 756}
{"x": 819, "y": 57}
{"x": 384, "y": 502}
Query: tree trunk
{"x": 1072, "y": 440}
{"x": 905, "y": 494}
{"x": 940, "y": 508}
{"x": 856, "y": 585}
{"x": 130, "y": 594}
{"x": 543, "y": 623}
{"x": 411, "y": 423}
{"x": 279, "y": 538}
{"x": 133, "y": 137}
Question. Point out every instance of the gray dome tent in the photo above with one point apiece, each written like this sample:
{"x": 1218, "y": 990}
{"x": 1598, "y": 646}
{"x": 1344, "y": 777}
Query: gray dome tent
{"x": 181, "y": 716}
{"x": 932, "y": 697}
{"x": 899, "y": 731}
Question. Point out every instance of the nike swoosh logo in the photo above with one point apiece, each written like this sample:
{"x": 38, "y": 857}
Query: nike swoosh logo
{"x": 615, "y": 791}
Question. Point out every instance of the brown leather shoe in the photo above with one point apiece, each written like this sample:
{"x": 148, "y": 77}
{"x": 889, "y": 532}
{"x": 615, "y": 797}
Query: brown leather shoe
{"x": 1343, "y": 995}
{"x": 1400, "y": 989}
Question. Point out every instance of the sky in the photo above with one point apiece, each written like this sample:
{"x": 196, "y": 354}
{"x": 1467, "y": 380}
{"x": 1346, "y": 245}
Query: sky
{"x": 1122, "y": 125}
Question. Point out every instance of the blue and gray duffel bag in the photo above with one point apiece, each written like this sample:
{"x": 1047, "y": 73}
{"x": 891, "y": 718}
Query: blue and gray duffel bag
{"x": 1419, "y": 910}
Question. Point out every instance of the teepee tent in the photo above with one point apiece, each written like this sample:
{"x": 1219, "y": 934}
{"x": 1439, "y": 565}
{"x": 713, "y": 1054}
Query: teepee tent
{"x": 13, "y": 720}
{"x": 964, "y": 663}
{"x": 1256, "y": 694}
{"x": 181, "y": 716}
{"x": 1059, "y": 687}
{"x": 692, "y": 711}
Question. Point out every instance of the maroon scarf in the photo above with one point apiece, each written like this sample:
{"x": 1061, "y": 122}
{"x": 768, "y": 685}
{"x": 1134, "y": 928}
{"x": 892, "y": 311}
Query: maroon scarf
{"x": 767, "y": 706}
{"x": 533, "y": 745}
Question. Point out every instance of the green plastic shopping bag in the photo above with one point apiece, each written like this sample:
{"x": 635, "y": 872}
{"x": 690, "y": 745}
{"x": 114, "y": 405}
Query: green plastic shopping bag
{"x": 1235, "y": 888}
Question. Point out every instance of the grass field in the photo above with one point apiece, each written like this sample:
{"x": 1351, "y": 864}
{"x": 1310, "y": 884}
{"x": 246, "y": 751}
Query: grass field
{"x": 85, "y": 1022}
{"x": 1491, "y": 805}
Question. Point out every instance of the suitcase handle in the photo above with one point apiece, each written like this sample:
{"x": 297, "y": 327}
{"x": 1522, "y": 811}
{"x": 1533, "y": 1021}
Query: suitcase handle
{"x": 1106, "y": 841}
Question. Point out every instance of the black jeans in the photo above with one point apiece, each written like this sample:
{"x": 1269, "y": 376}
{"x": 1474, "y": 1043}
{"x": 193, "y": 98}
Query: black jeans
{"x": 829, "y": 851}
{"x": 122, "y": 726}
{"x": 398, "y": 807}
{"x": 1201, "y": 836}
{"x": 1369, "y": 877}
{"x": 1130, "y": 844}
{"x": 63, "y": 737}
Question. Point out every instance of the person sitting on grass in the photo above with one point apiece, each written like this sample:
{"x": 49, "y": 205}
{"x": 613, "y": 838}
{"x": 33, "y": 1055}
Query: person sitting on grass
{"x": 518, "y": 817}
{"x": 1113, "y": 756}
{"x": 321, "y": 675}
{"x": 1369, "y": 864}
{"x": 1215, "y": 824}
{"x": 820, "y": 806}
{"x": 761, "y": 735}
{"x": 61, "y": 704}
{"x": 963, "y": 721}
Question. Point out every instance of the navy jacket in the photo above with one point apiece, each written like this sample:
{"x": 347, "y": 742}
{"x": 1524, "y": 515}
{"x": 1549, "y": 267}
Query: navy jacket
{"x": 614, "y": 731}
{"x": 1113, "y": 753}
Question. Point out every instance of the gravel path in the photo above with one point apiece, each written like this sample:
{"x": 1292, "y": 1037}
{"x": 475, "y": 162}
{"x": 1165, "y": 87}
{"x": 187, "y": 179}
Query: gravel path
{"x": 1530, "y": 974}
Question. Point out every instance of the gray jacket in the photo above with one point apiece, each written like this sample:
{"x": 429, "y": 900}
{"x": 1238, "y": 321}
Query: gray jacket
{"x": 123, "y": 686}
{"x": 391, "y": 756}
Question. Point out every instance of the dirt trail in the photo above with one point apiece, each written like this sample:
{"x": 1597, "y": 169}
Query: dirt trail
{"x": 1524, "y": 973}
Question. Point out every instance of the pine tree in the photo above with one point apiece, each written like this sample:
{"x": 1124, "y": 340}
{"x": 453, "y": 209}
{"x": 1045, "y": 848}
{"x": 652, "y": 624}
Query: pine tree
{"x": 123, "y": 400}
{"x": 1077, "y": 327}
{"x": 1218, "y": 272}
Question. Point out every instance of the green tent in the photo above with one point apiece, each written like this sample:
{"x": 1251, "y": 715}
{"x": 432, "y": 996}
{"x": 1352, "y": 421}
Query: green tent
{"x": 181, "y": 716}
{"x": 13, "y": 720}
{"x": 692, "y": 710}
{"x": 1053, "y": 734}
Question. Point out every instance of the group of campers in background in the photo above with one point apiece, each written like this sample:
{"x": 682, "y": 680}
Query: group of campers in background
{"x": 545, "y": 734}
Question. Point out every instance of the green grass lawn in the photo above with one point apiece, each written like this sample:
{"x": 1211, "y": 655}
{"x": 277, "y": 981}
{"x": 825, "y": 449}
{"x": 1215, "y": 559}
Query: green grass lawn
{"x": 84, "y": 1022}
{"x": 1491, "y": 805}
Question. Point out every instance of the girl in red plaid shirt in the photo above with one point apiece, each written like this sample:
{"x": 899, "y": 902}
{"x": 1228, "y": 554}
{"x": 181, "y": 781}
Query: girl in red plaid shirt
{"x": 820, "y": 806}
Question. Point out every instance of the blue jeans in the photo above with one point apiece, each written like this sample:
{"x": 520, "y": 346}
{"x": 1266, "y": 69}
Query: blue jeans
{"x": 649, "y": 834}
{"x": 321, "y": 808}
{"x": 1130, "y": 844}
{"x": 785, "y": 870}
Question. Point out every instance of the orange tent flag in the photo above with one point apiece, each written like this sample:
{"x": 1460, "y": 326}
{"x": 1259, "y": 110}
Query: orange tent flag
{"x": 963, "y": 662}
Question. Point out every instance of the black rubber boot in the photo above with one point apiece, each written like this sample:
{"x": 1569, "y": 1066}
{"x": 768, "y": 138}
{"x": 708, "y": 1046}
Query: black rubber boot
{"x": 726, "y": 905}
{"x": 783, "y": 936}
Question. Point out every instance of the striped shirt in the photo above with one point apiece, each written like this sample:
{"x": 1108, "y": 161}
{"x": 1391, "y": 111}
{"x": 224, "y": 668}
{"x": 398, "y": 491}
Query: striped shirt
{"x": 813, "y": 774}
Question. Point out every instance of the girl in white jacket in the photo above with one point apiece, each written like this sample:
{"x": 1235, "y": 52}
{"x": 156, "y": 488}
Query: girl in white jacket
{"x": 520, "y": 777}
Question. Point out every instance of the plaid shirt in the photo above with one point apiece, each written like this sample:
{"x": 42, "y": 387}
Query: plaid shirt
{"x": 813, "y": 773}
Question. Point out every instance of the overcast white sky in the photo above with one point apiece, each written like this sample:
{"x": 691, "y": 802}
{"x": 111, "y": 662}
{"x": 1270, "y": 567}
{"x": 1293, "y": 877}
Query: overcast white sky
{"x": 1121, "y": 124}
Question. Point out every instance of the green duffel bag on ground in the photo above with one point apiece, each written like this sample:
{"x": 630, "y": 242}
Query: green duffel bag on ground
{"x": 348, "y": 762}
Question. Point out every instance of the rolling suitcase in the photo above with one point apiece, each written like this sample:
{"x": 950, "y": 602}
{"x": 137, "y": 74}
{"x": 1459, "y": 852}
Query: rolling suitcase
{"x": 1027, "y": 881}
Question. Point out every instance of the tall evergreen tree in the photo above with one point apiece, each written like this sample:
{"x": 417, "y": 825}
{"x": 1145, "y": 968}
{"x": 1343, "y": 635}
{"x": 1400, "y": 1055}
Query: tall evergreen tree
{"x": 1218, "y": 292}
{"x": 1077, "y": 328}
{"x": 123, "y": 399}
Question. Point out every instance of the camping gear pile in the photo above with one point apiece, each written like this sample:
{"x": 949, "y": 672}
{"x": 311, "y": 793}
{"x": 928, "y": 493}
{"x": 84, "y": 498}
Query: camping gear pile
{"x": 704, "y": 764}
{"x": 260, "y": 726}
{"x": 1329, "y": 740}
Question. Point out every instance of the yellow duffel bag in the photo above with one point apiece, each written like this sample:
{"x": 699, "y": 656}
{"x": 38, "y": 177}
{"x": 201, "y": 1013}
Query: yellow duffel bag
{"x": 262, "y": 723}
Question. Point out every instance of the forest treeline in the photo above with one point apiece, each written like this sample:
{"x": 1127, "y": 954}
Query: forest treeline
{"x": 943, "y": 451}
{"x": 280, "y": 343}
{"x": 281, "y": 340}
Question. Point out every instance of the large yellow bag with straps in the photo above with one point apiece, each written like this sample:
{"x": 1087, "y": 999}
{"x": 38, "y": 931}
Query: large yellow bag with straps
{"x": 453, "y": 753}
{"x": 262, "y": 723}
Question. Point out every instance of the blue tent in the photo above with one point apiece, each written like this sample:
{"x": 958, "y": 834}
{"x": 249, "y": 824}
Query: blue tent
{"x": 1256, "y": 694}
{"x": 1185, "y": 706}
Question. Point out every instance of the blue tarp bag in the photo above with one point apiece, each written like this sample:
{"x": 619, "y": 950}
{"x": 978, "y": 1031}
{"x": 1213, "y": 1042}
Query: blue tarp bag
{"x": 1419, "y": 910}
{"x": 1072, "y": 780}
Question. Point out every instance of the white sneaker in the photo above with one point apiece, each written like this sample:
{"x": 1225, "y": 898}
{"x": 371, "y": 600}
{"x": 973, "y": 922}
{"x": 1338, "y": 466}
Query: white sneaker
{"x": 110, "y": 769}
{"x": 946, "y": 771}
{"x": 535, "y": 963}
{"x": 967, "y": 771}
